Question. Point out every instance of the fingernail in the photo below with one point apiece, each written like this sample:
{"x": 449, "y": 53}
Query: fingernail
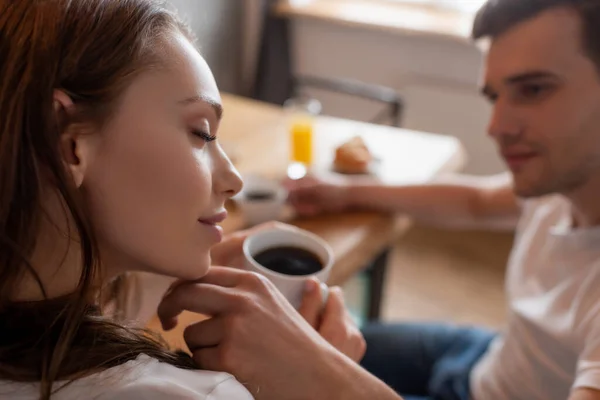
{"x": 310, "y": 286}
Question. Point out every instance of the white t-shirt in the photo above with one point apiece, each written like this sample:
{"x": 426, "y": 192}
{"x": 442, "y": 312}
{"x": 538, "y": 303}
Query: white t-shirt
{"x": 141, "y": 379}
{"x": 552, "y": 341}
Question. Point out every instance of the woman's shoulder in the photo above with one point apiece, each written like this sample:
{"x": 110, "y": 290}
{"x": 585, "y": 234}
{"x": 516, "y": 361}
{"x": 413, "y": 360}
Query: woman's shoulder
{"x": 156, "y": 380}
{"x": 142, "y": 378}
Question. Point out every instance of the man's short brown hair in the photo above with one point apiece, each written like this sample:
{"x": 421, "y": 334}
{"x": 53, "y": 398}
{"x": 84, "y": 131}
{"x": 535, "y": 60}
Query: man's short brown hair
{"x": 499, "y": 16}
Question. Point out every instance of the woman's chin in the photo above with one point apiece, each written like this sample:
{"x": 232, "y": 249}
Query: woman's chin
{"x": 186, "y": 269}
{"x": 194, "y": 271}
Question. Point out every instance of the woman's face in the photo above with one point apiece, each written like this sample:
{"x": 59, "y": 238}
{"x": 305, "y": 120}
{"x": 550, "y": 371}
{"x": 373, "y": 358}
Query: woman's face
{"x": 156, "y": 184}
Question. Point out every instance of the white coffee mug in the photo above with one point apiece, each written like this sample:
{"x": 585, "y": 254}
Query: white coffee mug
{"x": 292, "y": 286}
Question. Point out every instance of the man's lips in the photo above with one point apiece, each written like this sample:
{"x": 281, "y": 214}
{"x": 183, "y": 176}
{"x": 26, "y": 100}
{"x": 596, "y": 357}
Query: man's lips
{"x": 518, "y": 158}
{"x": 215, "y": 219}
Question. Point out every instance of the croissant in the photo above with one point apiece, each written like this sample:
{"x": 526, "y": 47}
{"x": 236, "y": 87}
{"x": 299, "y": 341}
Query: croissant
{"x": 353, "y": 157}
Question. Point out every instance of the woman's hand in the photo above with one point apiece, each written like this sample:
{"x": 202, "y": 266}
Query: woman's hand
{"x": 253, "y": 333}
{"x": 257, "y": 336}
{"x": 230, "y": 251}
{"x": 332, "y": 320}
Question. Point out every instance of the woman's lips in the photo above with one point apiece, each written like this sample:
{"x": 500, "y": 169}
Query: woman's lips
{"x": 215, "y": 219}
{"x": 211, "y": 224}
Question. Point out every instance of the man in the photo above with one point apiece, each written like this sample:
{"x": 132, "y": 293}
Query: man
{"x": 543, "y": 79}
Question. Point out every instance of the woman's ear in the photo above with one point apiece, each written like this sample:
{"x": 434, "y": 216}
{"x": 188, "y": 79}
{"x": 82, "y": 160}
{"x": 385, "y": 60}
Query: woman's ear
{"x": 77, "y": 146}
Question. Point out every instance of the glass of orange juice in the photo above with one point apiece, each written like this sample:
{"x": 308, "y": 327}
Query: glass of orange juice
{"x": 301, "y": 112}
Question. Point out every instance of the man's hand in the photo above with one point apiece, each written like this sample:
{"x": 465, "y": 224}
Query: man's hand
{"x": 585, "y": 394}
{"x": 311, "y": 195}
{"x": 333, "y": 321}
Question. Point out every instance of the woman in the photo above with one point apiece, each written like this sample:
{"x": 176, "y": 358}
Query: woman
{"x": 109, "y": 166}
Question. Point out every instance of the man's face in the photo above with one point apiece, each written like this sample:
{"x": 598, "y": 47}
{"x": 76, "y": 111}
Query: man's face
{"x": 546, "y": 96}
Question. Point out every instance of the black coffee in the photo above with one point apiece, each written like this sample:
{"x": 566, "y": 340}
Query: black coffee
{"x": 260, "y": 195}
{"x": 289, "y": 261}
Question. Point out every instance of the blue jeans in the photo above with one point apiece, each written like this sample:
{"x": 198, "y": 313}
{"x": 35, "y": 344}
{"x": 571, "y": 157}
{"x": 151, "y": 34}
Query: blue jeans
{"x": 425, "y": 361}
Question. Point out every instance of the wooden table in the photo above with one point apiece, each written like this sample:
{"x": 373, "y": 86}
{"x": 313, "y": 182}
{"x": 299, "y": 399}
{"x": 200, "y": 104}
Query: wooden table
{"x": 256, "y": 136}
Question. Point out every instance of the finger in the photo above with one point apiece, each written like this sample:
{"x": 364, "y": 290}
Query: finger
{"x": 289, "y": 184}
{"x": 334, "y": 314}
{"x": 361, "y": 347}
{"x": 267, "y": 225}
{"x": 223, "y": 276}
{"x": 173, "y": 285}
{"x": 304, "y": 196}
{"x": 312, "y": 303}
{"x": 357, "y": 346}
{"x": 304, "y": 193}
{"x": 237, "y": 262}
{"x": 230, "y": 250}
{"x": 236, "y": 278}
{"x": 339, "y": 328}
{"x": 198, "y": 298}
{"x": 293, "y": 184}
{"x": 209, "y": 358}
{"x": 307, "y": 210}
{"x": 219, "y": 276}
{"x": 208, "y": 333}
{"x": 231, "y": 245}
{"x": 272, "y": 225}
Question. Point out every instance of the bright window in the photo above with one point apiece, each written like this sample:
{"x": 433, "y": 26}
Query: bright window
{"x": 470, "y": 6}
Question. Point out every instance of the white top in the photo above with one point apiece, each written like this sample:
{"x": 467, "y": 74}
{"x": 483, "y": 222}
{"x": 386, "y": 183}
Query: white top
{"x": 143, "y": 378}
{"x": 552, "y": 342}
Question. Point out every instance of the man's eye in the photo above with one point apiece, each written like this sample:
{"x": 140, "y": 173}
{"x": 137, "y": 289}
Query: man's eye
{"x": 533, "y": 91}
{"x": 492, "y": 97}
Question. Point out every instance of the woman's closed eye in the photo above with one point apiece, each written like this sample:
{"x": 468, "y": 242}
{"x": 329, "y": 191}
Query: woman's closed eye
{"x": 207, "y": 137}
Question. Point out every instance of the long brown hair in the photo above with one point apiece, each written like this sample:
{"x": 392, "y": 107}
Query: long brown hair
{"x": 91, "y": 50}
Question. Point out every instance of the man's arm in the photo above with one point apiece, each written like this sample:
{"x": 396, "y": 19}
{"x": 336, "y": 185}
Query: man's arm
{"x": 585, "y": 394}
{"x": 460, "y": 202}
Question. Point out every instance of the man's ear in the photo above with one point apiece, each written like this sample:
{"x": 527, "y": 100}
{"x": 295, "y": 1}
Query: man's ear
{"x": 76, "y": 144}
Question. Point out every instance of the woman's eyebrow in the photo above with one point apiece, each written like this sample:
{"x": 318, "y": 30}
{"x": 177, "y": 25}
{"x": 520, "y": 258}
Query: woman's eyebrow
{"x": 216, "y": 105}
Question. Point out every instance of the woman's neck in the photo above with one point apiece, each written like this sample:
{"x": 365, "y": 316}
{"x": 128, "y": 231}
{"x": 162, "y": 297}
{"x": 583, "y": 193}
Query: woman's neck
{"x": 56, "y": 261}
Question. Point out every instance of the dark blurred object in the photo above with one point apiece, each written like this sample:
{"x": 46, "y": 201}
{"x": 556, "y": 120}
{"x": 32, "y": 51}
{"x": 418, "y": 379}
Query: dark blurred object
{"x": 275, "y": 82}
{"x": 392, "y": 114}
